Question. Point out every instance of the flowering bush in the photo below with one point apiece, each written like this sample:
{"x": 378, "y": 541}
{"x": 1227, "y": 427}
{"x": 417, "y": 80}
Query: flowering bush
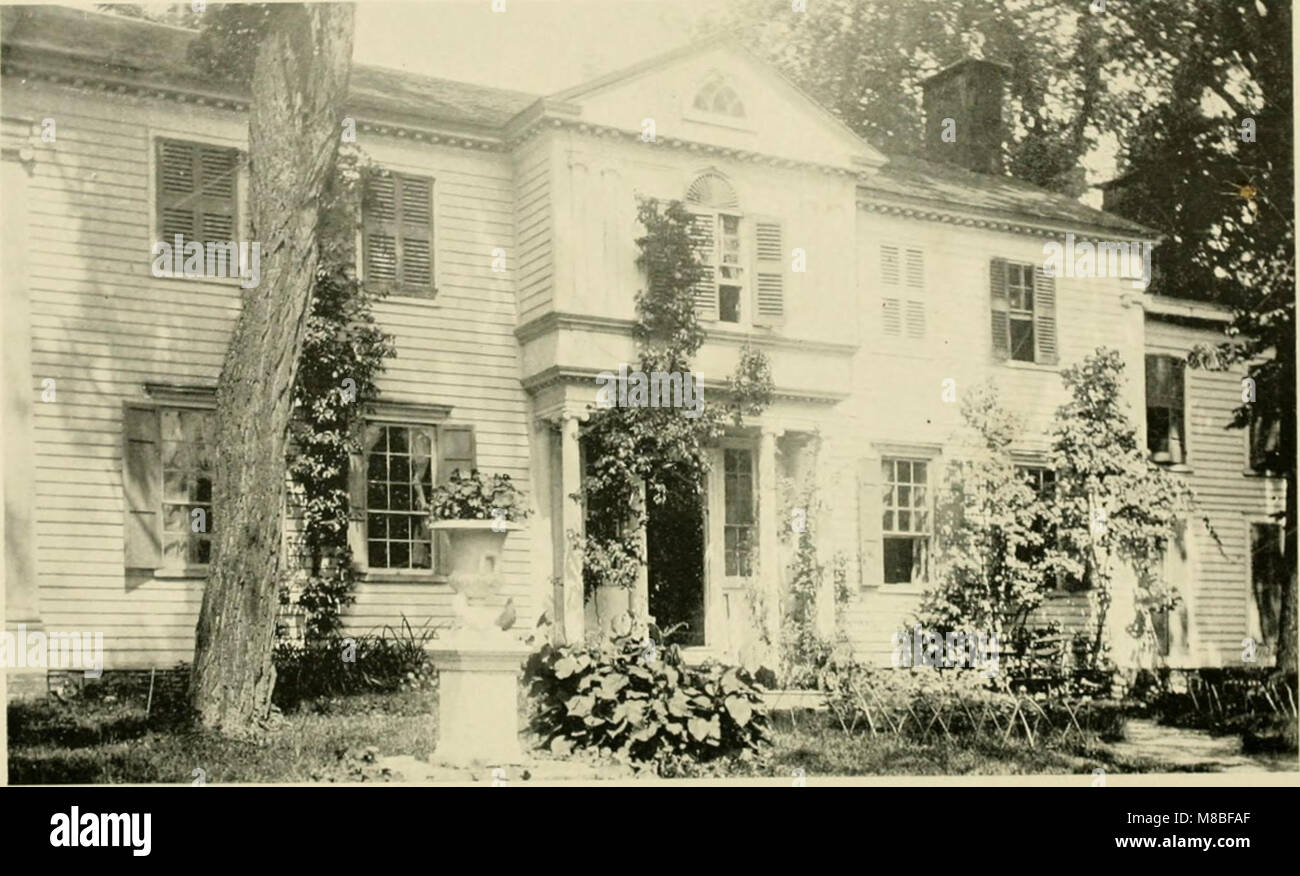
{"x": 475, "y": 497}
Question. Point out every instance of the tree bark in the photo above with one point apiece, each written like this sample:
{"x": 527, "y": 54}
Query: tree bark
{"x": 300, "y": 78}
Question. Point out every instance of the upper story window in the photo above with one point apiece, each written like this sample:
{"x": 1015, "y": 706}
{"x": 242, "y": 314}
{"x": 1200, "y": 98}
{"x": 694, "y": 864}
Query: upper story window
{"x": 732, "y": 248}
{"x": 1165, "y": 408}
{"x": 716, "y": 96}
{"x": 1023, "y": 312}
{"x": 1265, "y": 439}
{"x": 196, "y": 191}
{"x": 902, "y": 279}
{"x": 397, "y": 218}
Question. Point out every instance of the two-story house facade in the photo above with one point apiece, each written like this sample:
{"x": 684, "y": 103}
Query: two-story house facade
{"x": 879, "y": 287}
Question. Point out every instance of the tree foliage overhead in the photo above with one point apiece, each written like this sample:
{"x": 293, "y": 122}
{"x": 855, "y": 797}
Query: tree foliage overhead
{"x": 866, "y": 59}
{"x": 1212, "y": 165}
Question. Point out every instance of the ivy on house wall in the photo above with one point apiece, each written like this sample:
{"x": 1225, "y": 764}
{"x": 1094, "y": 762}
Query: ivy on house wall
{"x": 657, "y": 452}
{"x": 343, "y": 353}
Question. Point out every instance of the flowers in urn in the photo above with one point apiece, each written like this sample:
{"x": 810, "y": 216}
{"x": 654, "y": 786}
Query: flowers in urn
{"x": 478, "y": 497}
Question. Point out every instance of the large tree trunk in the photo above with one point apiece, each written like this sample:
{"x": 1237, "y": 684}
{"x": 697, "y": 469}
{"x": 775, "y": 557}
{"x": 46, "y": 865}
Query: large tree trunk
{"x": 299, "y": 81}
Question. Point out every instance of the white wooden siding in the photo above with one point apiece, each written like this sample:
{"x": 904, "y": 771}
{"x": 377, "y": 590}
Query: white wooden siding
{"x": 102, "y": 326}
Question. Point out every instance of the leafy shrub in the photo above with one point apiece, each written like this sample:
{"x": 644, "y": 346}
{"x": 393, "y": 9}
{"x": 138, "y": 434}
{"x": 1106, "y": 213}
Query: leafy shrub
{"x": 475, "y": 497}
{"x": 389, "y": 661}
{"x": 632, "y": 701}
{"x": 1259, "y": 703}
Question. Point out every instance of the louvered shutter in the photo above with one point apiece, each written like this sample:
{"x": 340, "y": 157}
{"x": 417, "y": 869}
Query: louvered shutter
{"x": 769, "y": 271}
{"x": 357, "y": 493}
{"x": 869, "y": 520}
{"x": 1045, "y": 352}
{"x": 890, "y": 269}
{"x": 381, "y": 229}
{"x": 196, "y": 190}
{"x": 416, "y": 243}
{"x": 455, "y": 451}
{"x": 914, "y": 280}
{"x": 915, "y": 320}
{"x": 891, "y": 307}
{"x": 706, "y": 290}
{"x": 142, "y": 486}
{"x": 891, "y": 317}
{"x": 1000, "y": 320}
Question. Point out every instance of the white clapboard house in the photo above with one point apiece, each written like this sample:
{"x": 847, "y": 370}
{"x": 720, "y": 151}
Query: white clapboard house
{"x": 914, "y": 273}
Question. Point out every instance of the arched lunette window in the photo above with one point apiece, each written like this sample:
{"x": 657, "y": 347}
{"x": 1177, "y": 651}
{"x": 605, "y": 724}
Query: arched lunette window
{"x": 716, "y": 96}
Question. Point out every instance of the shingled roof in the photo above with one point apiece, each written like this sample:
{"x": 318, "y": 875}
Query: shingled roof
{"x": 106, "y": 45}
{"x": 157, "y": 54}
{"x": 938, "y": 184}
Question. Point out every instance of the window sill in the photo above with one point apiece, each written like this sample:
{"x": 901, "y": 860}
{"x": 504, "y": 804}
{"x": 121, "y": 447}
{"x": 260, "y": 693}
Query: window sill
{"x": 1262, "y": 475}
{"x": 236, "y": 282}
{"x": 188, "y": 572}
{"x": 898, "y": 589}
{"x": 1176, "y": 467}
{"x": 1030, "y": 366}
{"x": 390, "y": 576}
{"x": 389, "y": 292}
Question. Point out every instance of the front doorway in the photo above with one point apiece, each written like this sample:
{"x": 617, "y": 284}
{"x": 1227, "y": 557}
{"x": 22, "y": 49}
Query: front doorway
{"x": 703, "y": 555}
{"x": 675, "y": 567}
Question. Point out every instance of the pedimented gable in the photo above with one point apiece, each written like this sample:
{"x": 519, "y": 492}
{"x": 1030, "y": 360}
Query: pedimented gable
{"x": 721, "y": 95}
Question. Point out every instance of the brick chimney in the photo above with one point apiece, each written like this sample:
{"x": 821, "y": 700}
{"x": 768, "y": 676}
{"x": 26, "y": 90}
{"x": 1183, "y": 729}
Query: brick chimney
{"x": 970, "y": 93}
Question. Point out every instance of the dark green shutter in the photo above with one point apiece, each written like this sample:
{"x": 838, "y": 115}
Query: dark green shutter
{"x": 1000, "y": 321}
{"x": 455, "y": 451}
{"x": 416, "y": 242}
{"x": 706, "y": 289}
{"x": 196, "y": 192}
{"x": 142, "y": 486}
{"x": 769, "y": 272}
{"x": 1046, "y": 352}
{"x": 398, "y": 228}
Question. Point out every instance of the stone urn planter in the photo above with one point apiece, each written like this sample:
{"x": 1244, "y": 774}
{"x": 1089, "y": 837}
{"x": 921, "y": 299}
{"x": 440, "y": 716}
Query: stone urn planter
{"x": 474, "y": 549}
{"x": 478, "y": 661}
{"x": 611, "y": 605}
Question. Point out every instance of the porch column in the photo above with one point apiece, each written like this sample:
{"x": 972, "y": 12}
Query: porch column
{"x": 829, "y": 490}
{"x": 569, "y": 609}
{"x": 640, "y": 601}
{"x": 769, "y": 564}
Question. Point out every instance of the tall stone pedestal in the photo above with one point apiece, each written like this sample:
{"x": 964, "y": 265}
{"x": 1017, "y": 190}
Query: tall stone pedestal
{"x": 478, "y": 709}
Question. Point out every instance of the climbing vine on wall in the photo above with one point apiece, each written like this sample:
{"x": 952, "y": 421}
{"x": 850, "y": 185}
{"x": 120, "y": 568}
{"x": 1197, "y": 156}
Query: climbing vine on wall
{"x": 661, "y": 450}
{"x": 343, "y": 353}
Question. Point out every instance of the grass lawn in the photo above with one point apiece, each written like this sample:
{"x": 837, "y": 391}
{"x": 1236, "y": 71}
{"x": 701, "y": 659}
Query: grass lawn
{"x": 109, "y": 738}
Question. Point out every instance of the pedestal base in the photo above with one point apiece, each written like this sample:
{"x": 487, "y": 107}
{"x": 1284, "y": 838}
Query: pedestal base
{"x": 478, "y": 707}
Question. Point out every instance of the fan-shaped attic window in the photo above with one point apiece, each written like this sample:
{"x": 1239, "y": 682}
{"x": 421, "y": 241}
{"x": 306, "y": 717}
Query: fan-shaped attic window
{"x": 712, "y": 191}
{"x": 716, "y": 96}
